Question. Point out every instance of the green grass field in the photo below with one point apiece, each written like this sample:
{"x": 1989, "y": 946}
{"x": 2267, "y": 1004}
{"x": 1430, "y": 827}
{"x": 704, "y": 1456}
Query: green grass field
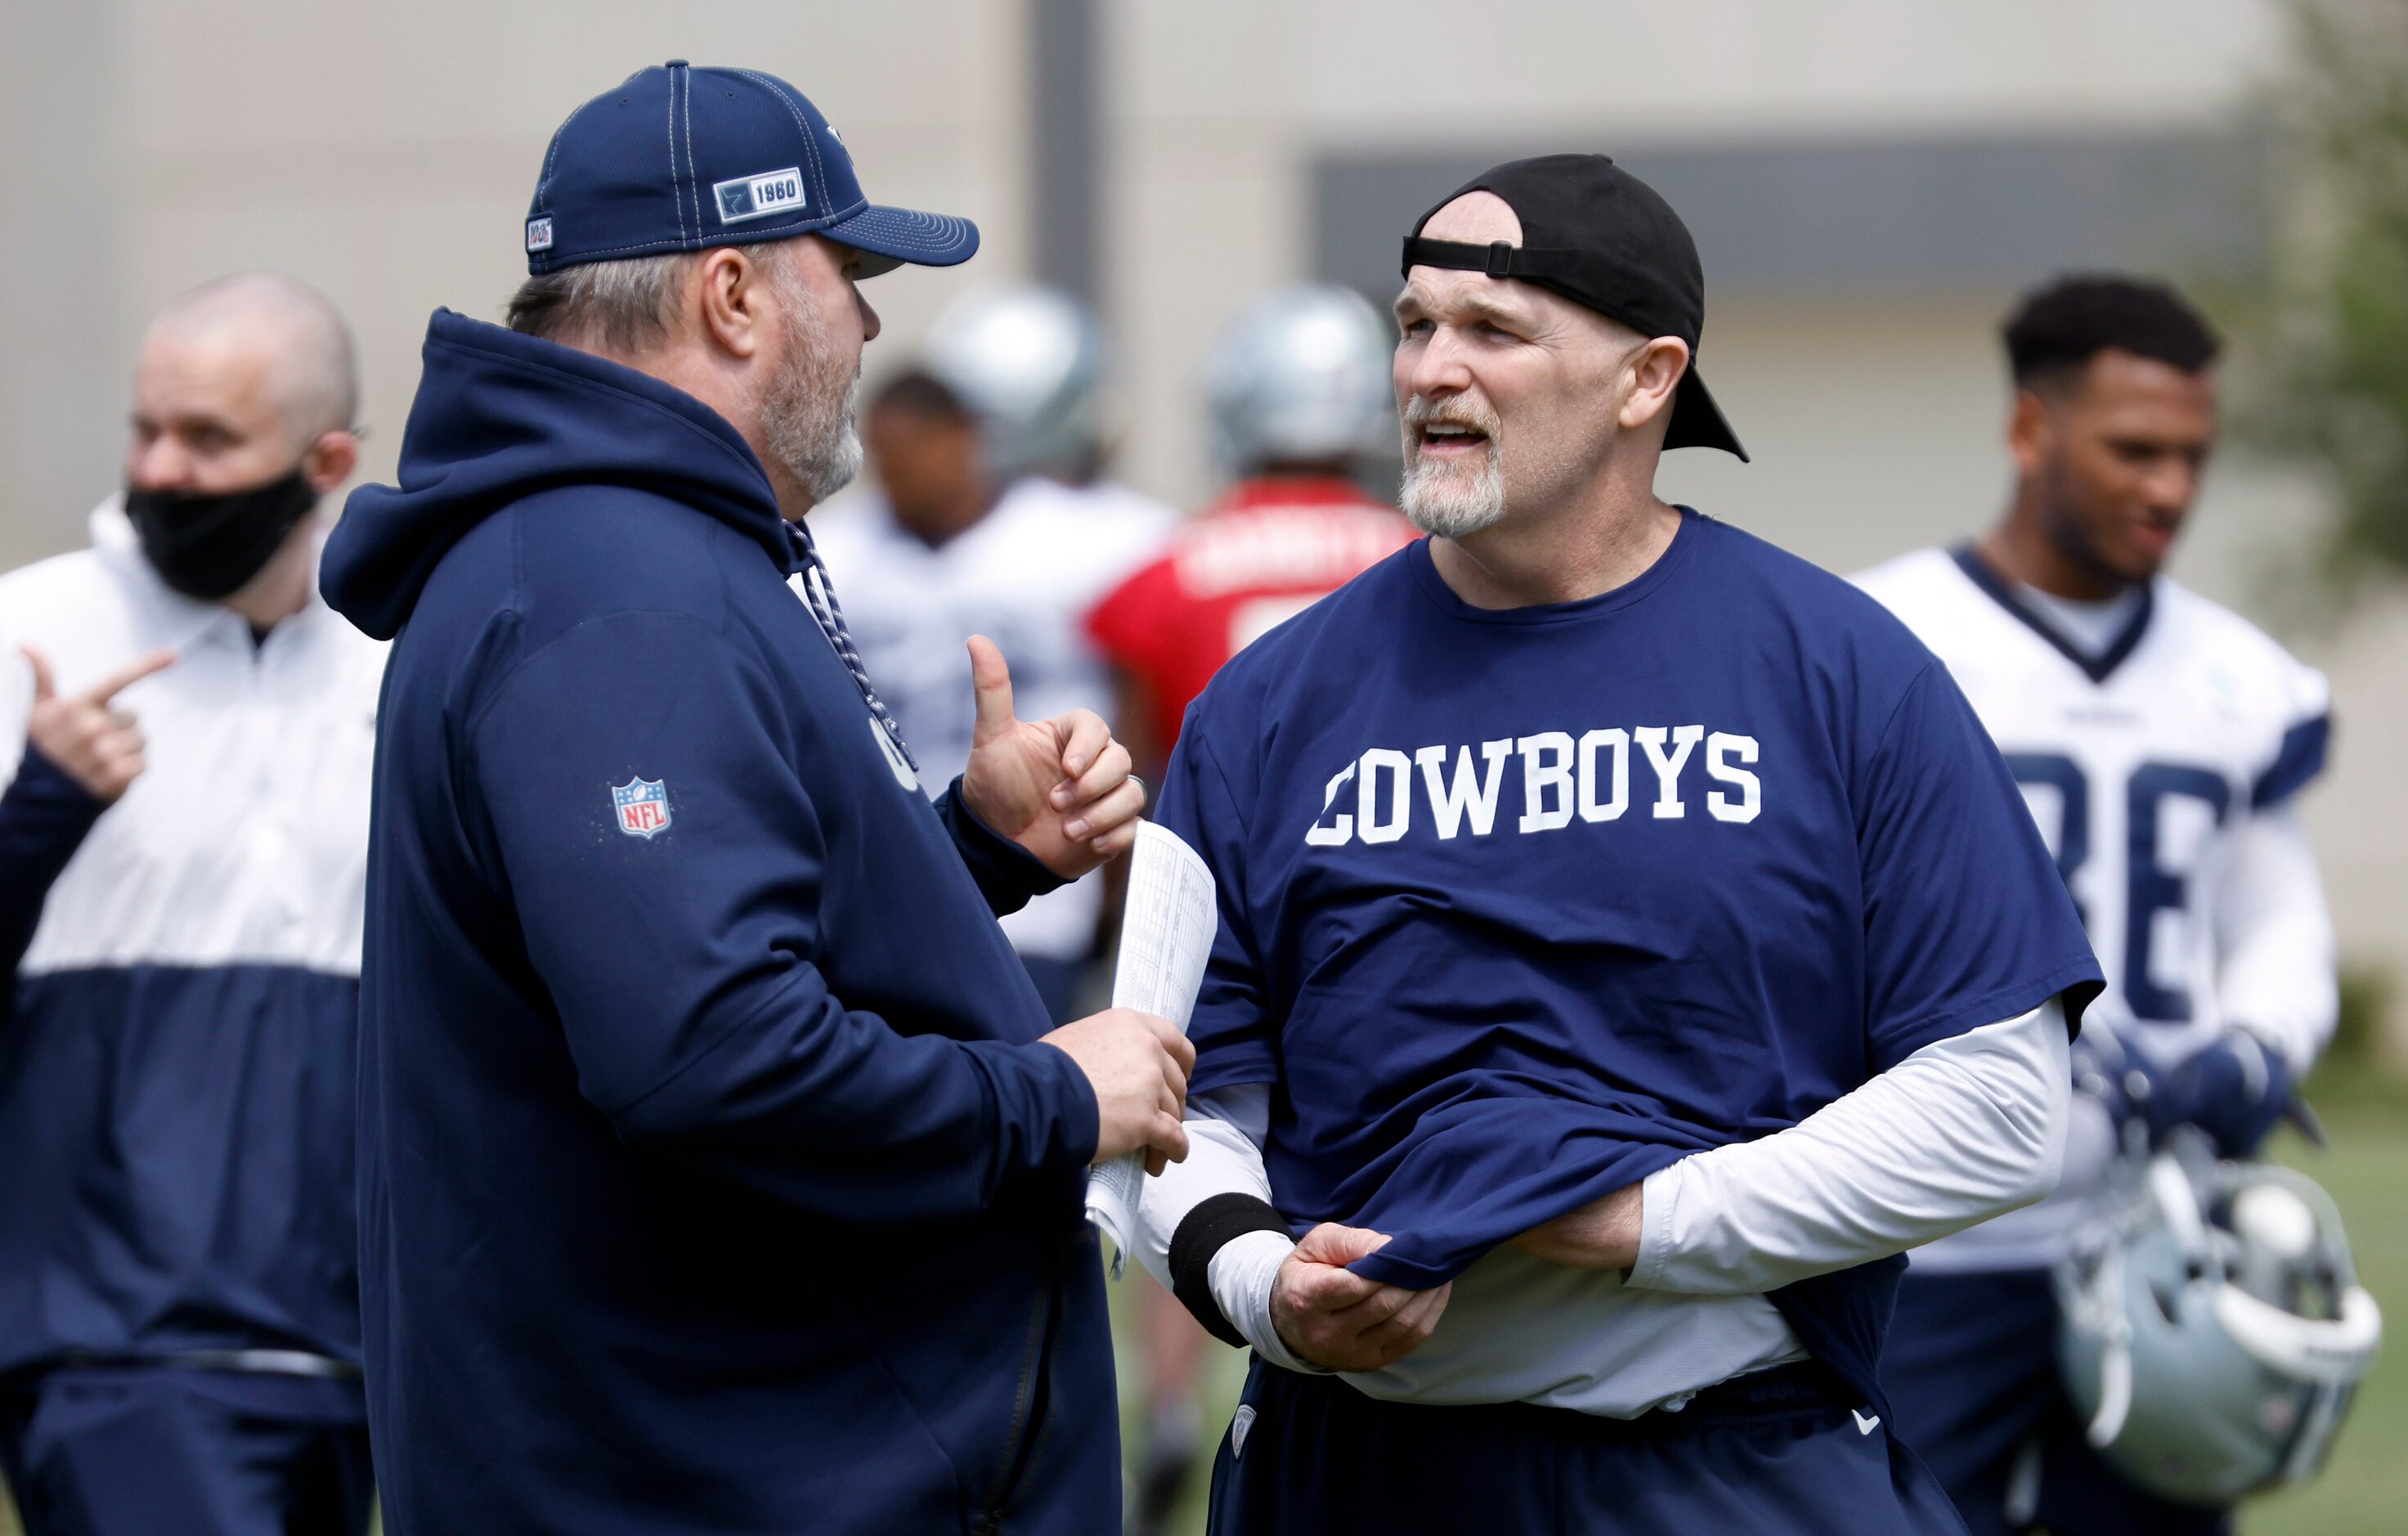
{"x": 2363, "y": 1491}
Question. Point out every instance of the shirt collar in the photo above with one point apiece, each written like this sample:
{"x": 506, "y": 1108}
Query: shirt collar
{"x": 184, "y": 622}
{"x": 2097, "y": 669}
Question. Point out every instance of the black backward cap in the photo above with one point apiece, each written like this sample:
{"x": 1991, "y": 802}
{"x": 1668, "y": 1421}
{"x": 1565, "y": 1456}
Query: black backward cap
{"x": 1602, "y": 239}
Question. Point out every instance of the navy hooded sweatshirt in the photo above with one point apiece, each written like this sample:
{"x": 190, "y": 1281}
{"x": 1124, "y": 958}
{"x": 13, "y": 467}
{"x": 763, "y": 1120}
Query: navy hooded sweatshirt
{"x": 710, "y": 1177}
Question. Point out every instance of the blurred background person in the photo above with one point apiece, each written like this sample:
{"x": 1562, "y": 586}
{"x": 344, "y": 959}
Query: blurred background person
{"x": 991, "y": 517}
{"x": 1301, "y": 412}
{"x": 2163, "y": 742}
{"x": 181, "y": 903}
{"x": 1298, "y": 390}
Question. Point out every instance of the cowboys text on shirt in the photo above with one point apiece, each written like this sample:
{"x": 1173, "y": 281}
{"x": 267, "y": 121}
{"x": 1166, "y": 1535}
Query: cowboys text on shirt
{"x": 1563, "y": 776}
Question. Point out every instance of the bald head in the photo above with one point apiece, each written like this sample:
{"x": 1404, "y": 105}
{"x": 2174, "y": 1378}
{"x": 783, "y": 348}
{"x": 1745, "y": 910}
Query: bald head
{"x": 282, "y": 330}
{"x": 242, "y": 383}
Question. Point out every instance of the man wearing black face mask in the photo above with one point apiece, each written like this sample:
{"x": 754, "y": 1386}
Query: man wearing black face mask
{"x": 185, "y": 740}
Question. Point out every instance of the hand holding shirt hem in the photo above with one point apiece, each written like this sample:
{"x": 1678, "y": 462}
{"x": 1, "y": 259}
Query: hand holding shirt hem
{"x": 1341, "y": 1321}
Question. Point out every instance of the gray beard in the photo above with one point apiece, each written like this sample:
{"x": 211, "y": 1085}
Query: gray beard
{"x": 1446, "y": 502}
{"x": 809, "y": 418}
{"x": 817, "y": 440}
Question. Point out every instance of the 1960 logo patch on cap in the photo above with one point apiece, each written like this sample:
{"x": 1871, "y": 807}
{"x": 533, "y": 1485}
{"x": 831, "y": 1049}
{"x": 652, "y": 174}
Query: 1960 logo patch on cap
{"x": 759, "y": 197}
{"x": 643, "y": 806}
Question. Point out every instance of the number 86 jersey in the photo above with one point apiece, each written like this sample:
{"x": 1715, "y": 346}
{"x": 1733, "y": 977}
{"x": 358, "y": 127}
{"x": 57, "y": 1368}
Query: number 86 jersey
{"x": 2159, "y": 757}
{"x": 2147, "y": 763}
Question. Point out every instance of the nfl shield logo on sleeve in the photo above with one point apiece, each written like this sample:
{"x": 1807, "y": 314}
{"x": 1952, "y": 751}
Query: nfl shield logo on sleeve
{"x": 643, "y": 806}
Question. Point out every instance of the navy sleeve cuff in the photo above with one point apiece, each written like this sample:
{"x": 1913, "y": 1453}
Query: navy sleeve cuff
{"x": 1007, "y": 875}
{"x": 2298, "y": 760}
{"x": 44, "y": 818}
{"x": 1049, "y": 1120}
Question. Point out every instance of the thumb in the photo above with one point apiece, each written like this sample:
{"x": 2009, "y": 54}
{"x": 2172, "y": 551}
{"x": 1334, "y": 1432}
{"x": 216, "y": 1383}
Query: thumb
{"x": 1330, "y": 1243}
{"x": 991, "y": 679}
{"x": 46, "y": 687}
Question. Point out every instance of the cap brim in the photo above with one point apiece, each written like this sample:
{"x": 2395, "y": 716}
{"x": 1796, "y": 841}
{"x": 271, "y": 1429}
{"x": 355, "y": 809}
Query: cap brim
{"x": 1697, "y": 421}
{"x": 901, "y": 235}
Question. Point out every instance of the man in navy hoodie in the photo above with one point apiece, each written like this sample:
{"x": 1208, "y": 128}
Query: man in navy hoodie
{"x": 717, "y": 1171}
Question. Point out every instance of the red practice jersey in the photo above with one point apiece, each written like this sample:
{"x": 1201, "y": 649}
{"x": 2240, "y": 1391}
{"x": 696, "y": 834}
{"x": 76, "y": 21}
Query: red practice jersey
{"x": 1260, "y": 556}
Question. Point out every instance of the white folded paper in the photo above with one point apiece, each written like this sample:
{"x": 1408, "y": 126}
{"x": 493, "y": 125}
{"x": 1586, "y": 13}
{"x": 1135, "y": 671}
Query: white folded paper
{"x": 1167, "y": 934}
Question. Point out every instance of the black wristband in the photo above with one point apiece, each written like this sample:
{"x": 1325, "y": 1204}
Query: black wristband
{"x": 1204, "y": 1231}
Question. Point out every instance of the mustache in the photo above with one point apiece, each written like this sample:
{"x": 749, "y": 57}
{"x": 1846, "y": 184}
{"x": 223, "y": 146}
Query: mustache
{"x": 1421, "y": 411}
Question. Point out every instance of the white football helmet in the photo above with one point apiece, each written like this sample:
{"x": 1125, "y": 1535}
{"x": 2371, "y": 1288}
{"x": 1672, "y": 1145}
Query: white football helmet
{"x": 1301, "y": 376}
{"x": 1029, "y": 363}
{"x": 2213, "y": 1328}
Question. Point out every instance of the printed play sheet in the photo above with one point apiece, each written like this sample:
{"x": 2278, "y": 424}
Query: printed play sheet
{"x": 1167, "y": 934}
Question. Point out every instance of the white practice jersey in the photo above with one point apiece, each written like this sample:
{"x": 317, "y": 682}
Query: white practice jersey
{"x": 2160, "y": 769}
{"x": 245, "y": 841}
{"x": 1023, "y": 575}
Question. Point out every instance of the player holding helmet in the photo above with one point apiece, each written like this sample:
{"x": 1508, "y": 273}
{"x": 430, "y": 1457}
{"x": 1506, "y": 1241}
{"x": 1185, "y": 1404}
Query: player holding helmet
{"x": 2161, "y": 741}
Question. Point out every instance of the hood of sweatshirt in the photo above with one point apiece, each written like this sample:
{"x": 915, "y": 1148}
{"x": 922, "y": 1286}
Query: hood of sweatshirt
{"x": 500, "y": 416}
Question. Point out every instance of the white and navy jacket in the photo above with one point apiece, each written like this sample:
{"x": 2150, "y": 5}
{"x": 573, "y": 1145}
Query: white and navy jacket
{"x": 180, "y": 1016}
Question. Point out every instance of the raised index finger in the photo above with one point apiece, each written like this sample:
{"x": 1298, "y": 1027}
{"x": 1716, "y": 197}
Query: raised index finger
{"x": 125, "y": 677}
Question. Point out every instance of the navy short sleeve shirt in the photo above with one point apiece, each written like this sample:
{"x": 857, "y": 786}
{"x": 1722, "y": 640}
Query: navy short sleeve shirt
{"x": 1518, "y": 906}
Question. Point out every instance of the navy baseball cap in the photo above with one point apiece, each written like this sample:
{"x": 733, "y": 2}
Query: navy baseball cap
{"x": 681, "y": 159}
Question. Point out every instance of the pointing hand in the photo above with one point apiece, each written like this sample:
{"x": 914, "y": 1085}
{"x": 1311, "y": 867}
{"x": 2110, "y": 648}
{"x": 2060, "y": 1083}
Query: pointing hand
{"x": 93, "y": 742}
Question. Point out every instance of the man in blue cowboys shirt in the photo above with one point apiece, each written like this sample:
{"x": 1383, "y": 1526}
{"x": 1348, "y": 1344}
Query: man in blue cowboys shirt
{"x": 718, "y": 1171}
{"x": 184, "y": 746}
{"x": 1629, "y": 943}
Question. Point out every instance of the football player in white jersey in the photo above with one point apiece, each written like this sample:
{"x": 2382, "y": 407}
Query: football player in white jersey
{"x": 2161, "y": 741}
{"x": 989, "y": 519}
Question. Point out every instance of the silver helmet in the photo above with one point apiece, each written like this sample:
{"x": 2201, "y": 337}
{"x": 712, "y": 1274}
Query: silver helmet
{"x": 2213, "y": 1330}
{"x": 1300, "y": 377}
{"x": 1030, "y": 363}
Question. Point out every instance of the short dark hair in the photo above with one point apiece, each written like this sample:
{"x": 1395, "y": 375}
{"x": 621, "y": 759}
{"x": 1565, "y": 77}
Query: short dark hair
{"x": 919, "y": 393}
{"x": 2058, "y": 329}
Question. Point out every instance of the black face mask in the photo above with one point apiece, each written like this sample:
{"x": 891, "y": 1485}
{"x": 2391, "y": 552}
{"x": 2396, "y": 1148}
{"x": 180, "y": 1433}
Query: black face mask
{"x": 206, "y": 547}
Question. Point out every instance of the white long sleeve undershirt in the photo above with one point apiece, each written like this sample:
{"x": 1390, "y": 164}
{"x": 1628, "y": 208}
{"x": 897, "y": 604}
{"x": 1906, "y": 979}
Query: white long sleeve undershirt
{"x": 1959, "y": 1131}
{"x": 2275, "y": 937}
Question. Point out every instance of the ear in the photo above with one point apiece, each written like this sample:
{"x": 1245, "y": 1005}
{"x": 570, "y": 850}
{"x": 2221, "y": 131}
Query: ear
{"x": 330, "y": 461}
{"x": 732, "y": 290}
{"x": 2031, "y": 432}
{"x": 1655, "y": 371}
